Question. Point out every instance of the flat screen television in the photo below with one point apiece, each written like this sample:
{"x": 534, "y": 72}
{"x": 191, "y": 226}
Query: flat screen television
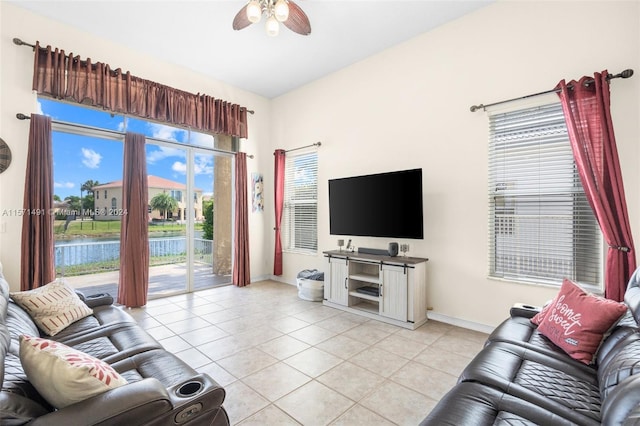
{"x": 377, "y": 205}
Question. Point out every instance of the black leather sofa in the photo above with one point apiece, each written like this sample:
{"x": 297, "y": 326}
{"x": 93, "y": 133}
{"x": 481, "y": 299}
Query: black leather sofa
{"x": 522, "y": 378}
{"x": 161, "y": 389}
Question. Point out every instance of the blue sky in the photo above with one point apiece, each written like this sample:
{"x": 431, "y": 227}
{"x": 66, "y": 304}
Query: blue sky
{"x": 80, "y": 158}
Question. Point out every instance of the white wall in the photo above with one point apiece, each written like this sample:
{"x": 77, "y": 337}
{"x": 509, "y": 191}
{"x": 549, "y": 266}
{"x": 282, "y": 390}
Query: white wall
{"x": 16, "y": 72}
{"x": 409, "y": 107}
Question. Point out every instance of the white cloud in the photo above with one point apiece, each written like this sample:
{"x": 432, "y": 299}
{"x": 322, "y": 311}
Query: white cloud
{"x": 164, "y": 152}
{"x": 201, "y": 139}
{"x": 162, "y": 131}
{"x": 204, "y": 165}
{"x": 63, "y": 184}
{"x": 90, "y": 158}
{"x": 179, "y": 167}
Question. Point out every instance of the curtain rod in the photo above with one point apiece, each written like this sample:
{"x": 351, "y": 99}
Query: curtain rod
{"x": 21, "y": 116}
{"x": 19, "y": 42}
{"x": 303, "y": 147}
{"x": 624, "y": 74}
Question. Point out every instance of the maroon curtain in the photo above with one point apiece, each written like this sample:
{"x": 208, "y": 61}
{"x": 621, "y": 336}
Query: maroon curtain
{"x": 37, "y": 262}
{"x": 241, "y": 272}
{"x": 278, "y": 173}
{"x": 68, "y": 77}
{"x": 586, "y": 107}
{"x": 134, "y": 238}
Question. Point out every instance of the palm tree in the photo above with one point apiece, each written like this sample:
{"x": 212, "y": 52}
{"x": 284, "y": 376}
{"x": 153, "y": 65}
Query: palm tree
{"x": 88, "y": 186}
{"x": 163, "y": 203}
{"x": 87, "y": 202}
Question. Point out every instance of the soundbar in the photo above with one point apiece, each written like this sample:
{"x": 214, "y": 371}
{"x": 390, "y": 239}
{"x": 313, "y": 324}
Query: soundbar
{"x": 373, "y": 251}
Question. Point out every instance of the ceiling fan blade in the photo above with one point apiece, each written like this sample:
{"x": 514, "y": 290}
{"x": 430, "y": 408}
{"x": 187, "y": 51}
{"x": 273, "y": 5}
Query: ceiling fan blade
{"x": 298, "y": 21}
{"x": 241, "y": 21}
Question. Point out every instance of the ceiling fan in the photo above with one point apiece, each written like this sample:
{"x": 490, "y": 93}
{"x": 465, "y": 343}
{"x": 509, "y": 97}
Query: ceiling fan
{"x": 276, "y": 11}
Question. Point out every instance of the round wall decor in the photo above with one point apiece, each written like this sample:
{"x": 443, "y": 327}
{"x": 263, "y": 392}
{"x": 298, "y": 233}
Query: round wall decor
{"x": 5, "y": 156}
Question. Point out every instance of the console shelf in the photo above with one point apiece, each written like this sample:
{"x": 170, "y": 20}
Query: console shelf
{"x": 367, "y": 278}
{"x": 400, "y": 282}
{"x": 364, "y": 296}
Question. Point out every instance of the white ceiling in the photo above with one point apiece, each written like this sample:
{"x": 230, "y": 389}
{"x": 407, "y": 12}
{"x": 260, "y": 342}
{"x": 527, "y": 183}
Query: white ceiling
{"x": 198, "y": 34}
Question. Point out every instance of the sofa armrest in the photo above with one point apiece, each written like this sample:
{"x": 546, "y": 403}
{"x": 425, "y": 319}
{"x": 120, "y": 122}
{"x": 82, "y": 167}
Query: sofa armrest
{"x": 135, "y": 403}
{"x": 93, "y": 300}
{"x": 522, "y": 310}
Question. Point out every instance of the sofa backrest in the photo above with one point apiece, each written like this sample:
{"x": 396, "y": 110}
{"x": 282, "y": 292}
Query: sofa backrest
{"x": 19, "y": 401}
{"x": 619, "y": 362}
{"x": 5, "y": 339}
{"x": 632, "y": 295}
{"x": 619, "y": 377}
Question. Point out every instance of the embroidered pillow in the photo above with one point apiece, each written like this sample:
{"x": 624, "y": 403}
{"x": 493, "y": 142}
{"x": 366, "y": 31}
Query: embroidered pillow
{"x": 53, "y": 307}
{"x": 576, "y": 321}
{"x": 63, "y": 375}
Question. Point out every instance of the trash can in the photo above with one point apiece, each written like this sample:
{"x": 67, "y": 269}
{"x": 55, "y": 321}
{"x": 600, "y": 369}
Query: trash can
{"x": 311, "y": 285}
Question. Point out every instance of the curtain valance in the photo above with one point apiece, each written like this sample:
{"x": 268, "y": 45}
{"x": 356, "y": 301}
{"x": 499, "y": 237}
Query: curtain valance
{"x": 67, "y": 77}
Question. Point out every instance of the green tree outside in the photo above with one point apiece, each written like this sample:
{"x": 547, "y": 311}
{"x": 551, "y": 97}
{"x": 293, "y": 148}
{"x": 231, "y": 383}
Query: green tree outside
{"x": 207, "y": 226}
{"x": 74, "y": 203}
{"x": 163, "y": 203}
{"x": 87, "y": 202}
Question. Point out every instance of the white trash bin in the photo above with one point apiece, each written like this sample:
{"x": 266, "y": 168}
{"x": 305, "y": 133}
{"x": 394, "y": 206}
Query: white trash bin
{"x": 309, "y": 289}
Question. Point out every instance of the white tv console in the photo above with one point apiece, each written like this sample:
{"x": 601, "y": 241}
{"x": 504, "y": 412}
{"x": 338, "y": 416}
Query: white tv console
{"x": 401, "y": 297}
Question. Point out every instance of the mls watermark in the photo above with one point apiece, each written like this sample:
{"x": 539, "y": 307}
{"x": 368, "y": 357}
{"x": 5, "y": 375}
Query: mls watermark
{"x": 62, "y": 212}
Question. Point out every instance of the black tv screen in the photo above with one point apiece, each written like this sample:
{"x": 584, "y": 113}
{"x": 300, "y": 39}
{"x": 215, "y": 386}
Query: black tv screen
{"x": 378, "y": 205}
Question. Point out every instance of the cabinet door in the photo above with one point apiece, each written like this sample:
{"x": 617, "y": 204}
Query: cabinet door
{"x": 336, "y": 290}
{"x": 393, "y": 298}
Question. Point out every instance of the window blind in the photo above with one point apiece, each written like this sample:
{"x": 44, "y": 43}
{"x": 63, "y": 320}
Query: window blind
{"x": 300, "y": 214}
{"x": 541, "y": 226}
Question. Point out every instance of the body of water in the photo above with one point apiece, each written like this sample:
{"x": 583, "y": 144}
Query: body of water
{"x": 80, "y": 251}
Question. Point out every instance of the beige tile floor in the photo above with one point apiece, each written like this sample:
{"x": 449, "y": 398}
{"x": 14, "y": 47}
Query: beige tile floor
{"x": 285, "y": 361}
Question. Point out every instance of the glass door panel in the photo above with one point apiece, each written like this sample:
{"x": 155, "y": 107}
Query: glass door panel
{"x": 167, "y": 170}
{"x": 87, "y": 203}
{"x": 212, "y": 207}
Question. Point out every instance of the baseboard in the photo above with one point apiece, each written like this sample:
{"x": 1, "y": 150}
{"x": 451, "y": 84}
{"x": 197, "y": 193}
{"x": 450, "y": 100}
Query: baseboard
{"x": 282, "y": 280}
{"x": 483, "y": 328}
{"x": 260, "y": 278}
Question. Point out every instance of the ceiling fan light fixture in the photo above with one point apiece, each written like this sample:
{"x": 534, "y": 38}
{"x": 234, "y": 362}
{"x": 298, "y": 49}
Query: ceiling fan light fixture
{"x": 272, "y": 26}
{"x": 254, "y": 11}
{"x": 275, "y": 12}
{"x": 281, "y": 10}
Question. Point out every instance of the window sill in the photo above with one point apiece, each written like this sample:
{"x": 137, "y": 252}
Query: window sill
{"x": 304, "y": 253}
{"x": 588, "y": 288}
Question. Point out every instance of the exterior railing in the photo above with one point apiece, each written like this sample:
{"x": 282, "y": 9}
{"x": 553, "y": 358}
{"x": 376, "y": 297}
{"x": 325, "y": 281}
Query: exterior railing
{"x": 103, "y": 256}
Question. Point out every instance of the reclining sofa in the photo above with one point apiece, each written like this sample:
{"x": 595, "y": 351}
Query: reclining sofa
{"x": 161, "y": 389}
{"x": 521, "y": 377}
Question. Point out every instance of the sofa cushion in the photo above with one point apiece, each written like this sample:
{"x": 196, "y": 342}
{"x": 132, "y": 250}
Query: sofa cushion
{"x": 577, "y": 321}
{"x": 62, "y": 375}
{"x": 53, "y": 306}
{"x": 546, "y": 381}
{"x": 478, "y": 404}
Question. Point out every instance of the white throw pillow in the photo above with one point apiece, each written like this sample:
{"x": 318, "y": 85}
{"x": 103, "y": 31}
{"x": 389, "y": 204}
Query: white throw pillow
{"x": 63, "y": 375}
{"x": 53, "y": 307}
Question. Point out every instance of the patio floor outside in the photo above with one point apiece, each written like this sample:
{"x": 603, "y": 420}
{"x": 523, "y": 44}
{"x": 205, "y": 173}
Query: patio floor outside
{"x": 163, "y": 280}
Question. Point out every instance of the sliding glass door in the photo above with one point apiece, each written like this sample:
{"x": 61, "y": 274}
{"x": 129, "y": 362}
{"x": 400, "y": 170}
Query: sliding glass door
{"x": 190, "y": 195}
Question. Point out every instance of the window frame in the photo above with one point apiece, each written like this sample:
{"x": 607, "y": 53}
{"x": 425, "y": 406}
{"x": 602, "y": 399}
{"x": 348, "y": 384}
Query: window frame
{"x": 515, "y": 137}
{"x": 299, "y": 168}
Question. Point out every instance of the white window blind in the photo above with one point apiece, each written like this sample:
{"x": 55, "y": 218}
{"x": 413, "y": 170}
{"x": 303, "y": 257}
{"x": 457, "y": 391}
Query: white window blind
{"x": 300, "y": 214}
{"x": 541, "y": 226}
